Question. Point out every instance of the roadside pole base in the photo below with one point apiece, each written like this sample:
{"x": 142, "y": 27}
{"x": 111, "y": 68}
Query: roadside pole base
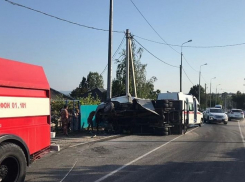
{"x": 55, "y": 147}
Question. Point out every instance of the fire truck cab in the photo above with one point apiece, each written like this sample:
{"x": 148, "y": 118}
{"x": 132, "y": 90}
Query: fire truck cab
{"x": 24, "y": 117}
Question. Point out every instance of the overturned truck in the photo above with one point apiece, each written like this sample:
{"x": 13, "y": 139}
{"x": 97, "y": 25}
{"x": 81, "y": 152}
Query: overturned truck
{"x": 170, "y": 113}
{"x": 161, "y": 117}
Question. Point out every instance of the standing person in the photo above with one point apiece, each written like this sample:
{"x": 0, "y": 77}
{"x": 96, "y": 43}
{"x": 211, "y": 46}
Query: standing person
{"x": 70, "y": 120}
{"x": 76, "y": 114}
{"x": 90, "y": 121}
{"x": 64, "y": 119}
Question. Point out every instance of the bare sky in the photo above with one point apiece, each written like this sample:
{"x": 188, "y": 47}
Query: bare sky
{"x": 68, "y": 52}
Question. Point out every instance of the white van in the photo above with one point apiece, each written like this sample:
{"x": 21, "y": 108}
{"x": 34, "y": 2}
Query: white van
{"x": 190, "y": 106}
{"x": 218, "y": 106}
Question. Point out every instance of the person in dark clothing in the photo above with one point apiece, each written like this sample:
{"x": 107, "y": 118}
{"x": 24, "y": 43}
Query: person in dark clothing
{"x": 90, "y": 120}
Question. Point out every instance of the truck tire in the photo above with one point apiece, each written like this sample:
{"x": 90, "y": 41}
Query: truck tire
{"x": 108, "y": 107}
{"x": 12, "y": 163}
{"x": 200, "y": 124}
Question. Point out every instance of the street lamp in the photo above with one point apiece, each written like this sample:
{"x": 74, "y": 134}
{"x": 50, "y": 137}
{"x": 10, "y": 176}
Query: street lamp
{"x": 210, "y": 89}
{"x": 199, "y": 100}
{"x": 216, "y": 93}
{"x": 181, "y": 65}
{"x": 206, "y": 96}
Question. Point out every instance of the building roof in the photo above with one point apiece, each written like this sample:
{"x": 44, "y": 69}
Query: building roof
{"x": 55, "y": 94}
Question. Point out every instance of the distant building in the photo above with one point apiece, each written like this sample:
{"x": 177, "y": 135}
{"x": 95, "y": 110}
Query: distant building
{"x": 56, "y": 95}
{"x": 99, "y": 93}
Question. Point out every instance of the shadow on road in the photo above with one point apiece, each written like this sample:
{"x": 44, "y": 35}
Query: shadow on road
{"x": 229, "y": 168}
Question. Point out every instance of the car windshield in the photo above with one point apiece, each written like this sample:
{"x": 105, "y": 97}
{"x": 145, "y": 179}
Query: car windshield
{"x": 216, "y": 110}
{"x": 236, "y": 110}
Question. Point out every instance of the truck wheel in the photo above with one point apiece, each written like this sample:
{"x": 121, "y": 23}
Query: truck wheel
{"x": 200, "y": 124}
{"x": 108, "y": 107}
{"x": 12, "y": 163}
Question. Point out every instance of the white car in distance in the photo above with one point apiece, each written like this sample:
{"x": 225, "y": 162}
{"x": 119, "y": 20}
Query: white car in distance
{"x": 235, "y": 114}
{"x": 215, "y": 115}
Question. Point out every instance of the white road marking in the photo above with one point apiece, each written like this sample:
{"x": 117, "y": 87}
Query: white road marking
{"x": 241, "y": 134}
{"x": 69, "y": 172}
{"x": 92, "y": 141}
{"x": 135, "y": 160}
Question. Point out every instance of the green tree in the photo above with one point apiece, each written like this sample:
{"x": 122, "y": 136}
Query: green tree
{"x": 195, "y": 92}
{"x": 81, "y": 89}
{"x": 239, "y": 100}
{"x": 145, "y": 88}
{"x": 94, "y": 80}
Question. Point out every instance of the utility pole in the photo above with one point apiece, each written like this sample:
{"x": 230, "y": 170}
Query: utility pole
{"x": 181, "y": 74}
{"x": 127, "y": 61}
{"x": 205, "y": 95}
{"x": 210, "y": 89}
{"x": 181, "y": 65}
{"x": 109, "y": 86}
{"x": 132, "y": 66}
{"x": 210, "y": 95}
{"x": 199, "y": 87}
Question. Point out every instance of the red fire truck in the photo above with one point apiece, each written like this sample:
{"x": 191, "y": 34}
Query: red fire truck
{"x": 24, "y": 117}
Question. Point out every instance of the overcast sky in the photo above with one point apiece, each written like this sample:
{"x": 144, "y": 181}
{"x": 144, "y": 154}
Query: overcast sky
{"x": 68, "y": 52}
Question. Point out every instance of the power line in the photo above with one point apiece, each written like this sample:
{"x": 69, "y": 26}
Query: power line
{"x": 61, "y": 19}
{"x": 204, "y": 78}
{"x": 153, "y": 28}
{"x": 187, "y": 76}
{"x": 154, "y": 55}
{"x": 119, "y": 47}
{"x": 114, "y": 54}
{"x": 100, "y": 29}
{"x": 103, "y": 70}
{"x": 189, "y": 64}
{"x": 200, "y": 47}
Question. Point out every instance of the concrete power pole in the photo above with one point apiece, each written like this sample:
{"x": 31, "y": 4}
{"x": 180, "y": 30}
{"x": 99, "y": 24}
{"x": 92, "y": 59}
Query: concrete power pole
{"x": 127, "y": 62}
{"x": 205, "y": 95}
{"x": 109, "y": 86}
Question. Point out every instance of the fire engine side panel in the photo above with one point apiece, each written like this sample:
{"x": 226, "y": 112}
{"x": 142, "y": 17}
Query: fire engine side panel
{"x": 25, "y": 113}
{"x": 35, "y": 131}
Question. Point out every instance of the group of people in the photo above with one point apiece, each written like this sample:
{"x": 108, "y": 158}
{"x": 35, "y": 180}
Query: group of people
{"x": 67, "y": 118}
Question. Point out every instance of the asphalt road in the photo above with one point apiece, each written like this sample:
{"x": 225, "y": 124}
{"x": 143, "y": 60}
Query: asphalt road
{"x": 213, "y": 153}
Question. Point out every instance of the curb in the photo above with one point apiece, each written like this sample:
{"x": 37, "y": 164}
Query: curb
{"x": 90, "y": 142}
{"x": 99, "y": 140}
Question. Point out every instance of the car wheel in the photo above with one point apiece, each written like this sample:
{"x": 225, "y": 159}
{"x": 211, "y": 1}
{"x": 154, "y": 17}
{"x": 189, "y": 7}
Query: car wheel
{"x": 225, "y": 122}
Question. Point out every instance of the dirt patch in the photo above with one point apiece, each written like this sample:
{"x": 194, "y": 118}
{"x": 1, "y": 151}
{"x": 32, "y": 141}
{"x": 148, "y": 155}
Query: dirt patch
{"x": 101, "y": 150}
